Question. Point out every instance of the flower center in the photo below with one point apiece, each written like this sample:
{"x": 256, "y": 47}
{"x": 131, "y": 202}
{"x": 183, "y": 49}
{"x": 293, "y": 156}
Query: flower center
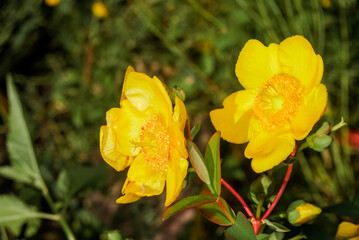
{"x": 278, "y": 100}
{"x": 155, "y": 143}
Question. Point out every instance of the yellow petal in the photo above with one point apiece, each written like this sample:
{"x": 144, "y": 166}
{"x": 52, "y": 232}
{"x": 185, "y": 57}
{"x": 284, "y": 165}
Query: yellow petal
{"x": 312, "y": 108}
{"x": 268, "y": 149}
{"x": 126, "y": 123}
{"x": 180, "y": 113}
{"x": 176, "y": 172}
{"x": 299, "y": 60}
{"x": 233, "y": 120}
{"x": 109, "y": 152}
{"x": 347, "y": 230}
{"x": 144, "y": 92}
{"x": 128, "y": 198}
{"x": 128, "y": 71}
{"x": 257, "y": 63}
{"x": 143, "y": 179}
{"x": 307, "y": 212}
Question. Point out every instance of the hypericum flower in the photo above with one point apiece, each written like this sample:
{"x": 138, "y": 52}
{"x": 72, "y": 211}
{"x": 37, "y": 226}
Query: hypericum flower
{"x": 99, "y": 9}
{"x": 347, "y": 231}
{"x": 146, "y": 134}
{"x": 52, "y": 3}
{"x": 282, "y": 100}
{"x": 300, "y": 212}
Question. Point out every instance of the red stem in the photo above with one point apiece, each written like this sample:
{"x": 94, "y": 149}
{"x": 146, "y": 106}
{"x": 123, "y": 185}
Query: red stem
{"x": 240, "y": 199}
{"x": 280, "y": 192}
{"x": 189, "y": 130}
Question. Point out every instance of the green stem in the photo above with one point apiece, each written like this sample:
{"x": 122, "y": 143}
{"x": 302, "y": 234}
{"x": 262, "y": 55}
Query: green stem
{"x": 53, "y": 217}
{"x": 64, "y": 225}
{"x": 259, "y": 208}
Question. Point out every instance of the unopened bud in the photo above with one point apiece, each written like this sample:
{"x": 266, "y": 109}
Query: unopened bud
{"x": 300, "y": 212}
{"x": 177, "y": 91}
{"x": 347, "y": 230}
{"x": 320, "y": 140}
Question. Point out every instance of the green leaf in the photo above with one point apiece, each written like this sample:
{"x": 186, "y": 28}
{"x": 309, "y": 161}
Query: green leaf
{"x": 276, "y": 226}
{"x": 15, "y": 213}
{"x": 197, "y": 162}
{"x": 276, "y": 236}
{"x": 261, "y": 188}
{"x": 195, "y": 130}
{"x": 187, "y": 203}
{"x": 15, "y": 174}
{"x": 262, "y": 236}
{"x": 241, "y": 230}
{"x": 348, "y": 208}
{"x": 19, "y": 143}
{"x": 213, "y": 163}
{"x": 218, "y": 212}
{"x": 114, "y": 235}
{"x": 73, "y": 180}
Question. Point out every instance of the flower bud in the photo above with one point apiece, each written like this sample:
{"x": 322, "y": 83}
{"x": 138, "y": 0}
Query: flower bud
{"x": 300, "y": 212}
{"x": 347, "y": 230}
{"x": 320, "y": 140}
{"x": 177, "y": 91}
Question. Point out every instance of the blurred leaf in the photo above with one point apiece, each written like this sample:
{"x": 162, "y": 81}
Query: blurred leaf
{"x": 14, "y": 174}
{"x": 197, "y": 162}
{"x": 207, "y": 63}
{"x": 276, "y": 236}
{"x": 15, "y": 213}
{"x": 73, "y": 180}
{"x": 195, "y": 130}
{"x": 261, "y": 188}
{"x": 241, "y": 230}
{"x": 213, "y": 163}
{"x": 348, "y": 208}
{"x": 276, "y": 226}
{"x": 114, "y": 235}
{"x": 218, "y": 212}
{"x": 187, "y": 203}
{"x": 19, "y": 143}
{"x": 262, "y": 236}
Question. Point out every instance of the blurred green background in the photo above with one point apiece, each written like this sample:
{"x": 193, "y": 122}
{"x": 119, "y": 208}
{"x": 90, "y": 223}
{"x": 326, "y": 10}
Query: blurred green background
{"x": 68, "y": 66}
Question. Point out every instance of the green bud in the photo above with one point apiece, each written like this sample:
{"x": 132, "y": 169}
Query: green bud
{"x": 320, "y": 140}
{"x": 300, "y": 212}
{"x": 177, "y": 91}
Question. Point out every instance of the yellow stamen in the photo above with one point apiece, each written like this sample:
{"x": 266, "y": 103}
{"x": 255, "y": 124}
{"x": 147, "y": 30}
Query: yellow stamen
{"x": 278, "y": 100}
{"x": 155, "y": 142}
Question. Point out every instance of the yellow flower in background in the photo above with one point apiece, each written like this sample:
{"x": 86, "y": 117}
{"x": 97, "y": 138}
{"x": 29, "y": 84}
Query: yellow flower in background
{"x": 99, "y": 9}
{"x": 347, "y": 230}
{"x": 282, "y": 100}
{"x": 300, "y": 212}
{"x": 52, "y": 3}
{"x": 146, "y": 134}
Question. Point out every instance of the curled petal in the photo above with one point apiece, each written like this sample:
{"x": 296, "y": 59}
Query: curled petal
{"x": 180, "y": 113}
{"x": 234, "y": 118}
{"x": 128, "y": 198}
{"x": 256, "y": 64}
{"x": 109, "y": 152}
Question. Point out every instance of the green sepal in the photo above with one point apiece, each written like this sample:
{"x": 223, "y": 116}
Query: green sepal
{"x": 320, "y": 140}
{"x": 213, "y": 163}
{"x": 218, "y": 212}
{"x": 241, "y": 230}
{"x": 197, "y": 162}
{"x": 187, "y": 203}
{"x": 261, "y": 188}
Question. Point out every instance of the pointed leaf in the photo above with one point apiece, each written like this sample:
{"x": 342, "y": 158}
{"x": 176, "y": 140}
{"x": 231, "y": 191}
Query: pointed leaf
{"x": 19, "y": 143}
{"x": 15, "y": 174}
{"x": 276, "y": 226}
{"x": 15, "y": 213}
{"x": 241, "y": 230}
{"x": 197, "y": 162}
{"x": 213, "y": 163}
{"x": 218, "y": 212}
{"x": 195, "y": 130}
{"x": 187, "y": 203}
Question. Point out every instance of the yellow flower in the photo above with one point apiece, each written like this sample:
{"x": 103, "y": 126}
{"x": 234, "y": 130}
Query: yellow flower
{"x": 146, "y": 134}
{"x": 99, "y": 9}
{"x": 52, "y": 3}
{"x": 282, "y": 100}
{"x": 347, "y": 230}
